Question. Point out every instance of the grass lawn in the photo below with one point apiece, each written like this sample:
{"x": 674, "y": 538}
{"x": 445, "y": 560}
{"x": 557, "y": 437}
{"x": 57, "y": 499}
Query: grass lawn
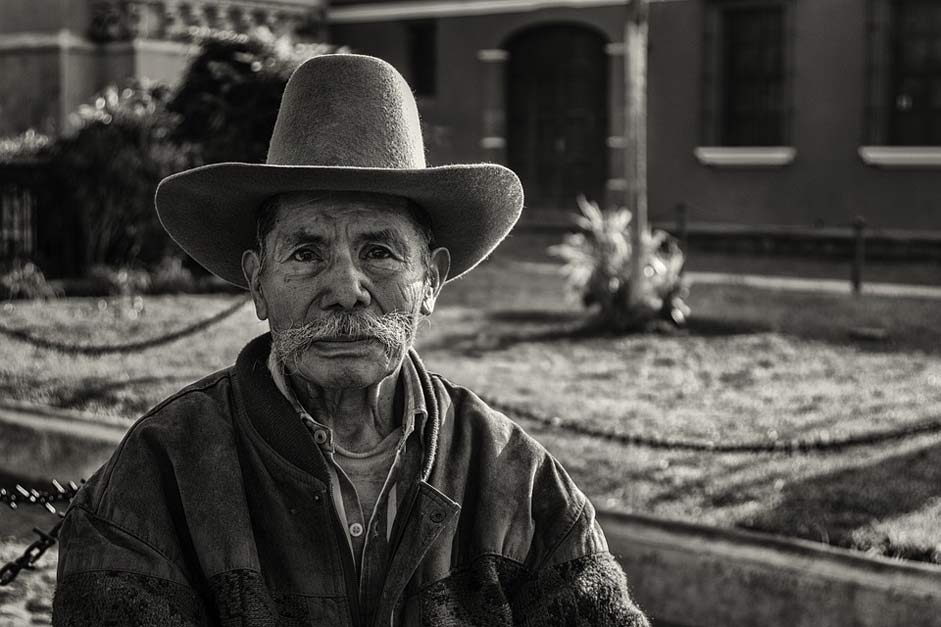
{"x": 754, "y": 364}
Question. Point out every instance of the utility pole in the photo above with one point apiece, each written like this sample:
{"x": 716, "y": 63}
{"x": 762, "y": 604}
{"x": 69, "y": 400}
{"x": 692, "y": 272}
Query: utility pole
{"x": 635, "y": 149}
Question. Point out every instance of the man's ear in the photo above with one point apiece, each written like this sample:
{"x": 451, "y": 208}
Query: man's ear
{"x": 437, "y": 274}
{"x": 251, "y": 269}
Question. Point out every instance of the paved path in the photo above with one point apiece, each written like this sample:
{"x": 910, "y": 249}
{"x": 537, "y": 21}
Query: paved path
{"x": 797, "y": 284}
{"x": 833, "y": 286}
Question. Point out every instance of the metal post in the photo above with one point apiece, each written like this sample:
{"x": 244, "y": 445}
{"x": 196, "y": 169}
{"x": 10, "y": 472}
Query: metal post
{"x": 682, "y": 226}
{"x": 635, "y": 131}
{"x": 859, "y": 254}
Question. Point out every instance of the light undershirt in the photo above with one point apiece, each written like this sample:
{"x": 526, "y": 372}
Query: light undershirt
{"x": 355, "y": 503}
{"x": 368, "y": 472}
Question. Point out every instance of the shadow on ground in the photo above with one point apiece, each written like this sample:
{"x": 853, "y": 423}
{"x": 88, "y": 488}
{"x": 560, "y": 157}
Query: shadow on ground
{"x": 832, "y": 506}
{"x": 104, "y": 391}
{"x": 501, "y": 329}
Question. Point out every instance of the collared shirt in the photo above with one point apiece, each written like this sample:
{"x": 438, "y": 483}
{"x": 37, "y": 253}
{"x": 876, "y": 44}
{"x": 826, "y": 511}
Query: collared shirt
{"x": 368, "y": 533}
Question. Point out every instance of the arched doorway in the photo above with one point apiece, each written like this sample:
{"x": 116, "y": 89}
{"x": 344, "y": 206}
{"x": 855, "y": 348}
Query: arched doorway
{"x": 557, "y": 113}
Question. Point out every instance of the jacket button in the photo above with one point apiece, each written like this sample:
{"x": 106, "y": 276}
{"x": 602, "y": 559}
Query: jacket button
{"x": 437, "y": 516}
{"x": 320, "y": 436}
{"x": 356, "y": 530}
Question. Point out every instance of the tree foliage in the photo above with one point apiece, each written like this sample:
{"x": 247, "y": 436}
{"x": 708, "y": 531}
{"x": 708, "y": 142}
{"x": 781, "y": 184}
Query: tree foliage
{"x": 228, "y": 100}
{"x": 103, "y": 176}
{"x": 106, "y": 173}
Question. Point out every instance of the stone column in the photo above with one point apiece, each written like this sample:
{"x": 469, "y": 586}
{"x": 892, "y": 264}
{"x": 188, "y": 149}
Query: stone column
{"x": 493, "y": 79}
{"x": 616, "y": 185}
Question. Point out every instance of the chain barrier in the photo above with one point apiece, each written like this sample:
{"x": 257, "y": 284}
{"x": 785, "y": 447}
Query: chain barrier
{"x": 127, "y": 347}
{"x": 47, "y": 539}
{"x": 34, "y": 551}
{"x": 20, "y": 495}
{"x": 818, "y": 444}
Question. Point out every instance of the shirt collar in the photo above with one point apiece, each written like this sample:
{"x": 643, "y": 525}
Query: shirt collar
{"x": 415, "y": 407}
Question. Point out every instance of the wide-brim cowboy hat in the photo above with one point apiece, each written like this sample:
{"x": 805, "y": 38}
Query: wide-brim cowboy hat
{"x": 346, "y": 123}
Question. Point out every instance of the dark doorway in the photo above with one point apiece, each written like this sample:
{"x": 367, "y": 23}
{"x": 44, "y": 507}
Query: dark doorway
{"x": 557, "y": 113}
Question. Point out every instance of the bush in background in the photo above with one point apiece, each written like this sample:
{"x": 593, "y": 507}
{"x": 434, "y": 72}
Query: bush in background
{"x": 98, "y": 182}
{"x": 228, "y": 99}
{"x": 172, "y": 277}
{"x": 598, "y": 268}
{"x": 25, "y": 280}
{"x": 117, "y": 281}
{"x": 106, "y": 174}
{"x": 24, "y": 147}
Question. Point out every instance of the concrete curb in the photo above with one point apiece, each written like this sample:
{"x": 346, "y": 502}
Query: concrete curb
{"x": 690, "y": 574}
{"x": 680, "y": 573}
{"x": 40, "y": 442}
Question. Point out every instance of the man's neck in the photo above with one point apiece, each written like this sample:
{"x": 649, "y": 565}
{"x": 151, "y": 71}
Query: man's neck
{"x": 359, "y": 417}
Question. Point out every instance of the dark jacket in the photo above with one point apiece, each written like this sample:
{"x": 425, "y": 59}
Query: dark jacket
{"x": 215, "y": 509}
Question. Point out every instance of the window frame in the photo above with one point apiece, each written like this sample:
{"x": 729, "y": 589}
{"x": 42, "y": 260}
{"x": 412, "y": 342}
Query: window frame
{"x": 417, "y": 78}
{"x": 876, "y": 149}
{"x": 713, "y": 80}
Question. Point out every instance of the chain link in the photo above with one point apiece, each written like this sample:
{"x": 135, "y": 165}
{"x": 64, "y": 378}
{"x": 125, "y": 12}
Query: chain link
{"x": 127, "y": 347}
{"x": 34, "y": 551}
{"x": 47, "y": 539}
{"x": 19, "y": 495}
{"x": 818, "y": 444}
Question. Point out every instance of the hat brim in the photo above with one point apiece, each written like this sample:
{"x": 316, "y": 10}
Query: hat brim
{"x": 211, "y": 211}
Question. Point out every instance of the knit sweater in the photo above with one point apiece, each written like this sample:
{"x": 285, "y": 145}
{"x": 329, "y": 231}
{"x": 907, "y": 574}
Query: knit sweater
{"x": 215, "y": 510}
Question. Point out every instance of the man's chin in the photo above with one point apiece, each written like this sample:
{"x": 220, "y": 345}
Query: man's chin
{"x": 345, "y": 364}
{"x": 340, "y": 349}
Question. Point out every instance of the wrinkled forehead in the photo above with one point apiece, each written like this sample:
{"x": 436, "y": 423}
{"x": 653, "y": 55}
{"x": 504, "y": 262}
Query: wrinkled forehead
{"x": 347, "y": 211}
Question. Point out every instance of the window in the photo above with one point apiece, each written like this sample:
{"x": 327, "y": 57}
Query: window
{"x": 915, "y": 93}
{"x": 747, "y": 76}
{"x": 422, "y": 56}
{"x": 17, "y": 206}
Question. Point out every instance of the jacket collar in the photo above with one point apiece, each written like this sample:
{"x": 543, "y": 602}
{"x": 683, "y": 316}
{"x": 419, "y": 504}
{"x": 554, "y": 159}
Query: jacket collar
{"x": 270, "y": 414}
{"x": 409, "y": 402}
{"x": 274, "y": 418}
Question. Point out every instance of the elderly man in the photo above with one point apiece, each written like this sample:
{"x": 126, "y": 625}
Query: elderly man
{"x": 327, "y": 478}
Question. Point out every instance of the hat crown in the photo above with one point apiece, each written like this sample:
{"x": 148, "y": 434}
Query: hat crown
{"x": 347, "y": 110}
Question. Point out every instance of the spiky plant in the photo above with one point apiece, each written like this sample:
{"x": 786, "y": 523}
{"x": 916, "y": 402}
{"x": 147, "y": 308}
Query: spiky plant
{"x": 598, "y": 268}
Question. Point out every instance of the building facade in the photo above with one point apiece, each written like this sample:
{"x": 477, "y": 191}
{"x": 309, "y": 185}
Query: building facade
{"x": 775, "y": 113}
{"x": 57, "y": 54}
{"x": 788, "y": 113}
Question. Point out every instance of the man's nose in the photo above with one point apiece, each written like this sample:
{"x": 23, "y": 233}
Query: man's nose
{"x": 344, "y": 285}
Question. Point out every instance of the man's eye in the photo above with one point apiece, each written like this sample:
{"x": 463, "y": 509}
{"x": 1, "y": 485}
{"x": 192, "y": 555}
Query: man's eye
{"x": 304, "y": 255}
{"x": 378, "y": 252}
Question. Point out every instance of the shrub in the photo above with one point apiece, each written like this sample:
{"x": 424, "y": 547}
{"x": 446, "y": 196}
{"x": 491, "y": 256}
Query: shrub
{"x": 25, "y": 280}
{"x": 118, "y": 281}
{"x": 107, "y": 173}
{"x": 23, "y": 147}
{"x": 171, "y": 277}
{"x": 229, "y": 97}
{"x": 598, "y": 268}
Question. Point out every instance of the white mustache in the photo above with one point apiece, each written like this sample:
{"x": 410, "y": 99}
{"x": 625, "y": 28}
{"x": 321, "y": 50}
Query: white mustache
{"x": 393, "y": 330}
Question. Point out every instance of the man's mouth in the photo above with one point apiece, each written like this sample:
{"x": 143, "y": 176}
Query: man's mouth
{"x": 343, "y": 338}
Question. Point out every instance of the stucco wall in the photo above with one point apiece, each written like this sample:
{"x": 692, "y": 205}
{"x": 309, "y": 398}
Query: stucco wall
{"x": 30, "y": 84}
{"x": 827, "y": 183}
{"x": 39, "y": 16}
{"x": 453, "y": 118}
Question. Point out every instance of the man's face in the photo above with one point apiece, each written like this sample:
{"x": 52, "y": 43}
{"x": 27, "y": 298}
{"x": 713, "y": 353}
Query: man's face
{"x": 344, "y": 257}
